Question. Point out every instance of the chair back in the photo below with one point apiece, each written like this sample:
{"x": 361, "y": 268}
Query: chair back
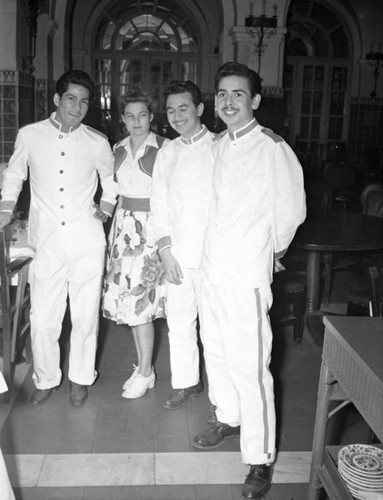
{"x": 339, "y": 177}
{"x": 376, "y": 290}
{"x": 372, "y": 200}
{"x": 319, "y": 198}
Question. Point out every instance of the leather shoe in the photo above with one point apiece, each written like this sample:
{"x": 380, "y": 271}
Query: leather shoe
{"x": 78, "y": 394}
{"x": 257, "y": 482}
{"x": 215, "y": 436}
{"x": 178, "y": 397}
{"x": 211, "y": 415}
{"x": 39, "y": 396}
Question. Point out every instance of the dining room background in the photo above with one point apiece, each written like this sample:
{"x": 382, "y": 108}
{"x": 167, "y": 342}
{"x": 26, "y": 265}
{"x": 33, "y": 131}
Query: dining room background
{"x": 320, "y": 62}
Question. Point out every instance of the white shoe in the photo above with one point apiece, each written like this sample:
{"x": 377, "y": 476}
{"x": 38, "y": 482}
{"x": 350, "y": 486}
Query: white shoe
{"x": 131, "y": 378}
{"x": 139, "y": 386}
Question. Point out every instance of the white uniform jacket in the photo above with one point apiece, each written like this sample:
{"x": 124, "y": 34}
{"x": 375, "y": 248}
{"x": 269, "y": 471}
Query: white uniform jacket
{"x": 64, "y": 170}
{"x": 258, "y": 204}
{"x": 181, "y": 195}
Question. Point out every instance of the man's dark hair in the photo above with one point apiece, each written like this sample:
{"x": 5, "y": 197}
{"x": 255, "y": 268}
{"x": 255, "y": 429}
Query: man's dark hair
{"x": 237, "y": 69}
{"x": 76, "y": 77}
{"x": 179, "y": 87}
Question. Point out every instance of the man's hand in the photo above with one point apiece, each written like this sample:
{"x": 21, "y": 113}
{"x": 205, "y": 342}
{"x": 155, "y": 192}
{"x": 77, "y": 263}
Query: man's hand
{"x": 99, "y": 214}
{"x": 5, "y": 218}
{"x": 278, "y": 266}
{"x": 173, "y": 272}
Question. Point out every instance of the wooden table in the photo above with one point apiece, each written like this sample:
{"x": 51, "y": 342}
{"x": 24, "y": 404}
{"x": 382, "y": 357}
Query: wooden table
{"x": 334, "y": 232}
{"x": 352, "y": 370}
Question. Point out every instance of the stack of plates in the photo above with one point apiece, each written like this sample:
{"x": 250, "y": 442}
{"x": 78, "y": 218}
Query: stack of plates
{"x": 361, "y": 467}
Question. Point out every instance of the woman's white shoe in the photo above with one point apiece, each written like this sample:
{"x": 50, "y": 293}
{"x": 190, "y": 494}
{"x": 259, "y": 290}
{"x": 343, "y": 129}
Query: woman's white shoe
{"x": 139, "y": 386}
{"x": 131, "y": 378}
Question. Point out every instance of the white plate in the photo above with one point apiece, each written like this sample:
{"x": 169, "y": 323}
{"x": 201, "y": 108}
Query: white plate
{"x": 365, "y": 480}
{"x": 362, "y": 458}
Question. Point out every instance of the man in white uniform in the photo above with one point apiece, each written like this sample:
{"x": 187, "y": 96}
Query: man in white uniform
{"x": 258, "y": 203}
{"x": 180, "y": 200}
{"x": 65, "y": 160}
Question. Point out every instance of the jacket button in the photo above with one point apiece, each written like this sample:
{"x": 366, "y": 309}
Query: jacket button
{"x": 61, "y": 171}
{"x": 62, "y": 153}
{"x": 61, "y": 189}
{"x": 63, "y": 223}
{"x": 62, "y": 206}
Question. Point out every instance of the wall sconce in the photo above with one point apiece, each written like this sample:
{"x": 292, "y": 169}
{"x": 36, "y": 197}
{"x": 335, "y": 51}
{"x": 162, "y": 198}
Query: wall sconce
{"x": 31, "y": 21}
{"x": 375, "y": 60}
{"x": 261, "y": 27}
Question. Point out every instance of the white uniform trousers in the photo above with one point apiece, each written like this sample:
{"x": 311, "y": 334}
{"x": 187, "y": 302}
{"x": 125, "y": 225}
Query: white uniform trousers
{"x": 54, "y": 277}
{"x": 181, "y": 312}
{"x": 237, "y": 340}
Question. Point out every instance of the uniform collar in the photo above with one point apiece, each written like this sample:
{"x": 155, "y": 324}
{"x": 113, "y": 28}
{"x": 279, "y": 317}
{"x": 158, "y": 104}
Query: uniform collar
{"x": 195, "y": 137}
{"x": 59, "y": 126}
{"x": 244, "y": 130}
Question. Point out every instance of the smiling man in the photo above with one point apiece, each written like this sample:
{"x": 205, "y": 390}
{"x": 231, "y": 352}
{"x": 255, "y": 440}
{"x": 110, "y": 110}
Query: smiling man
{"x": 258, "y": 203}
{"x": 181, "y": 194}
{"x": 64, "y": 160}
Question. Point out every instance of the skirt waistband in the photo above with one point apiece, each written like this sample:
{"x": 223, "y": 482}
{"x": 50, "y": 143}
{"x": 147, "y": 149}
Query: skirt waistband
{"x": 135, "y": 204}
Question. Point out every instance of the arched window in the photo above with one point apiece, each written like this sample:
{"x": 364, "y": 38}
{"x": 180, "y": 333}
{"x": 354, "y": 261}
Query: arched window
{"x": 316, "y": 77}
{"x": 146, "y": 32}
{"x": 146, "y": 44}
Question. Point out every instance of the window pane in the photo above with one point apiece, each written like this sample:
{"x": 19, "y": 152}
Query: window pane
{"x": 315, "y": 125}
{"x": 307, "y": 77}
{"x": 304, "y": 134}
{"x": 317, "y": 103}
{"x": 306, "y": 103}
{"x": 103, "y": 82}
{"x": 335, "y": 128}
{"x": 339, "y": 79}
{"x": 319, "y": 75}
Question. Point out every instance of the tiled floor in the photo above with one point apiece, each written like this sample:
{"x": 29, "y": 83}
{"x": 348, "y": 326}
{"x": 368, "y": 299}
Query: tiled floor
{"x": 112, "y": 448}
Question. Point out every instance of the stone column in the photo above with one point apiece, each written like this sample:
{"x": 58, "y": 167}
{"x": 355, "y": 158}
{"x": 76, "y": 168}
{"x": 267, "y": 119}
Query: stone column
{"x": 271, "y": 69}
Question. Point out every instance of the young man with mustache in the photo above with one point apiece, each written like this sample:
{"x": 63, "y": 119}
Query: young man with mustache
{"x": 258, "y": 203}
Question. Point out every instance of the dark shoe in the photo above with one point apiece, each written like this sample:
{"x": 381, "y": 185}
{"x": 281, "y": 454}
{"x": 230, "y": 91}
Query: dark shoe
{"x": 257, "y": 482}
{"x": 211, "y": 416}
{"x": 41, "y": 395}
{"x": 178, "y": 397}
{"x": 78, "y": 394}
{"x": 215, "y": 436}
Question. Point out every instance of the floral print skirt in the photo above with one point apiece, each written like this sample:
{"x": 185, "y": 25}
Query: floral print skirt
{"x": 134, "y": 285}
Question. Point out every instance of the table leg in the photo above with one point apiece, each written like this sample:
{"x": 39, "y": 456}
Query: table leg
{"x": 313, "y": 281}
{"x": 323, "y": 402}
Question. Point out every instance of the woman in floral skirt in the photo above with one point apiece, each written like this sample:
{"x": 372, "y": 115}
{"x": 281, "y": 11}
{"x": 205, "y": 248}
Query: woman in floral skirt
{"x": 134, "y": 289}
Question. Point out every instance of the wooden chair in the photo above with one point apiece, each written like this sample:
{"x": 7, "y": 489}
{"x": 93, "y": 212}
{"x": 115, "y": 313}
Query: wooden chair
{"x": 14, "y": 317}
{"x": 368, "y": 302}
{"x": 376, "y": 290}
{"x": 289, "y": 292}
{"x": 341, "y": 179}
{"x": 371, "y": 200}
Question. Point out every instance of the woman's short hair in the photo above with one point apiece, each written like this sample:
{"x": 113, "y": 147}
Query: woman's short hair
{"x": 136, "y": 95}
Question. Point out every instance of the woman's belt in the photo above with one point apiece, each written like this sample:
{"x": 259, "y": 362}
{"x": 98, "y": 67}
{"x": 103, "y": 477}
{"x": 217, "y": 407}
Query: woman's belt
{"x": 135, "y": 204}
